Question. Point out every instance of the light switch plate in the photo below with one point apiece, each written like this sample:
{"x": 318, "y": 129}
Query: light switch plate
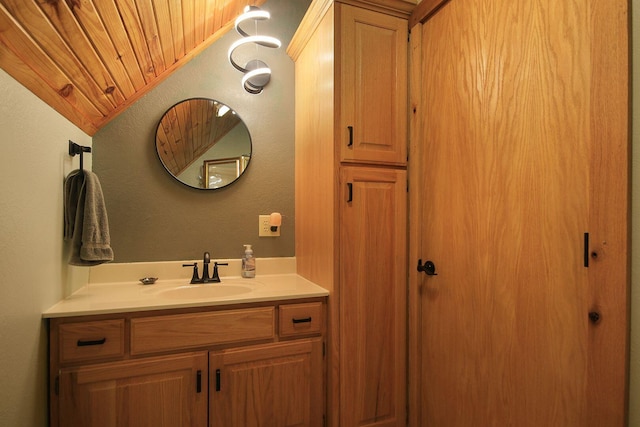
{"x": 264, "y": 230}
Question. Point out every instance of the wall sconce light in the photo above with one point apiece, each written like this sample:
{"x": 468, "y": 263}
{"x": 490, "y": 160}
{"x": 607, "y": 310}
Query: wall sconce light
{"x": 257, "y": 73}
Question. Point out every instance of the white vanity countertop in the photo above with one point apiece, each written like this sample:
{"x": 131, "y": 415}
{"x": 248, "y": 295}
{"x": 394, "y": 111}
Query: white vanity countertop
{"x": 120, "y": 297}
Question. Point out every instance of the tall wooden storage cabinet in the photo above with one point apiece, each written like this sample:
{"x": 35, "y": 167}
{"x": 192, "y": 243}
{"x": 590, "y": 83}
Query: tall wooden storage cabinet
{"x": 351, "y": 197}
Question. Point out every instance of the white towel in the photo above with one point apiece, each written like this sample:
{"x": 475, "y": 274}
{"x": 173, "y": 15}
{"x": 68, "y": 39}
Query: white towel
{"x": 86, "y": 223}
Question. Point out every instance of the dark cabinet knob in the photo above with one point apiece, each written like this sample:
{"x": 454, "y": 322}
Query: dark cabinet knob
{"x": 594, "y": 316}
{"x": 429, "y": 268}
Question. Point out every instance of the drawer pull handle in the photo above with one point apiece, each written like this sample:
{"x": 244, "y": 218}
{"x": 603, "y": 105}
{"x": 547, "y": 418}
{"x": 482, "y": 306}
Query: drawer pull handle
{"x": 303, "y": 320}
{"x": 83, "y": 343}
{"x": 199, "y": 381}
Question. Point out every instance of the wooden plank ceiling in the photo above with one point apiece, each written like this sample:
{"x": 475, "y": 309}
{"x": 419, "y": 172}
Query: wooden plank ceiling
{"x": 91, "y": 59}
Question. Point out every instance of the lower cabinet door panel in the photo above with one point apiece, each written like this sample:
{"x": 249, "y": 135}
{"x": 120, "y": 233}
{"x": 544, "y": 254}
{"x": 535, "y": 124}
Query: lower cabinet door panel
{"x": 165, "y": 391}
{"x": 277, "y": 384}
{"x": 373, "y": 298}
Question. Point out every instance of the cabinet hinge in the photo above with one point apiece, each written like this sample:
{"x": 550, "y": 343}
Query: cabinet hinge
{"x": 56, "y": 385}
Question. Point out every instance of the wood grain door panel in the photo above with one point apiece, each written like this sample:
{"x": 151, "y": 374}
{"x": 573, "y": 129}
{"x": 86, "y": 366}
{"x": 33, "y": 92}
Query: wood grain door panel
{"x": 507, "y": 138}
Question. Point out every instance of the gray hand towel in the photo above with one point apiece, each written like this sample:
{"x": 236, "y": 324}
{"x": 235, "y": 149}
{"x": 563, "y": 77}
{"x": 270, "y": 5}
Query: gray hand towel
{"x": 86, "y": 222}
{"x": 72, "y": 186}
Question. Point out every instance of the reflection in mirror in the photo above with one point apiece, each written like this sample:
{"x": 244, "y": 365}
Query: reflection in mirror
{"x": 203, "y": 143}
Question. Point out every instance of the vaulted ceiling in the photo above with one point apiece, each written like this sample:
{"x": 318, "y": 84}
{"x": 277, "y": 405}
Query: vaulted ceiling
{"x": 91, "y": 59}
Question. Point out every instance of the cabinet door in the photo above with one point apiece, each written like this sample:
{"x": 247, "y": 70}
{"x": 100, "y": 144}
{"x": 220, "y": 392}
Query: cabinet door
{"x": 269, "y": 385}
{"x": 373, "y": 86}
{"x": 373, "y": 297}
{"x": 155, "y": 392}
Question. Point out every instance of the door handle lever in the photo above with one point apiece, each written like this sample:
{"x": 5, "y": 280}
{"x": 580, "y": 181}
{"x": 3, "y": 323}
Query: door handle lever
{"x": 429, "y": 268}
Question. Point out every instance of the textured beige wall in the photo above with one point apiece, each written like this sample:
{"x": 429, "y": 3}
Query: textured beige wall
{"x": 155, "y": 218}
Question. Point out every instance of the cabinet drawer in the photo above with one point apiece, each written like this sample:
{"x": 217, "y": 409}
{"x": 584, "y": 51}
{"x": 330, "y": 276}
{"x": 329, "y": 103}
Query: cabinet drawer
{"x": 183, "y": 331}
{"x": 300, "y": 319}
{"x": 91, "y": 340}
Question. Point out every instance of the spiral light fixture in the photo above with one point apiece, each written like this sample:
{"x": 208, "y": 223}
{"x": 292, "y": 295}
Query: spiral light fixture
{"x": 257, "y": 74}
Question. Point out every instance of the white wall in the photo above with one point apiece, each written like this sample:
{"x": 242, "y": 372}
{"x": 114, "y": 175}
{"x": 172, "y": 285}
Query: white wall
{"x": 34, "y": 146}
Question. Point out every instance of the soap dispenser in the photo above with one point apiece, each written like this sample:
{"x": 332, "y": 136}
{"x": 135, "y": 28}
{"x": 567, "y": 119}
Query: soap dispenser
{"x": 248, "y": 263}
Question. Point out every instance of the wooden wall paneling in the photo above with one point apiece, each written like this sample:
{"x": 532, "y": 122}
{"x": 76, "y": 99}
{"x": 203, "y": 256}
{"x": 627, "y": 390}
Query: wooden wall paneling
{"x": 609, "y": 214}
{"x": 424, "y": 10}
{"x": 30, "y": 53}
{"x": 177, "y": 138}
{"x": 415, "y": 171}
{"x": 165, "y": 150}
{"x": 205, "y": 116}
{"x": 177, "y": 30}
{"x": 210, "y": 14}
{"x": 13, "y": 64}
{"x": 188, "y": 23}
{"x": 129, "y": 16}
{"x": 316, "y": 180}
{"x": 147, "y": 21}
{"x": 200, "y": 21}
{"x": 104, "y": 55}
{"x": 316, "y": 176}
{"x": 103, "y": 28}
{"x": 105, "y": 94}
{"x": 164, "y": 26}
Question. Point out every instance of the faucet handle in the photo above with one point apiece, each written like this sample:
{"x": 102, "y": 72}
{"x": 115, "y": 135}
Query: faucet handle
{"x": 194, "y": 277}
{"x": 215, "y": 277}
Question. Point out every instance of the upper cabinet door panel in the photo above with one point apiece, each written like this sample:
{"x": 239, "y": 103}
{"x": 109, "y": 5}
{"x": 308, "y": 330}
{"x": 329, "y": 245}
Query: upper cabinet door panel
{"x": 372, "y": 86}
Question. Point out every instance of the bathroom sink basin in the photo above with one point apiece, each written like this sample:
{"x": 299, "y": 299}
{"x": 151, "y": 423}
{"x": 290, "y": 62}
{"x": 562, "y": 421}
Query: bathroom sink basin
{"x": 208, "y": 290}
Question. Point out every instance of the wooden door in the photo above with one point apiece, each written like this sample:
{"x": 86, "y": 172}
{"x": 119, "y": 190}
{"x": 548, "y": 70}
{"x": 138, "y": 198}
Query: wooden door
{"x": 154, "y": 392}
{"x": 270, "y": 385}
{"x": 372, "y": 86}
{"x": 519, "y": 148}
{"x": 373, "y": 289}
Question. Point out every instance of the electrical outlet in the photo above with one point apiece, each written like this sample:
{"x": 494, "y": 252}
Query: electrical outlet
{"x": 264, "y": 230}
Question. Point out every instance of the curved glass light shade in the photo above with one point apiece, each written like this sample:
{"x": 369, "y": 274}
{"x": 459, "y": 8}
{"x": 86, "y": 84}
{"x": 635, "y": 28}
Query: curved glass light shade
{"x": 266, "y": 41}
{"x": 257, "y": 73}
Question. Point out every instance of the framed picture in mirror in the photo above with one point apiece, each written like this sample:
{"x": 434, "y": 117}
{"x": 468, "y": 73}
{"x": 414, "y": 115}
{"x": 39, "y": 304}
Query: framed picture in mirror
{"x": 220, "y": 172}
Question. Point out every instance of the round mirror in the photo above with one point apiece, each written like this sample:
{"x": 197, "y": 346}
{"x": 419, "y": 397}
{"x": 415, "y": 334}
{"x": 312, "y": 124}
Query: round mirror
{"x": 203, "y": 143}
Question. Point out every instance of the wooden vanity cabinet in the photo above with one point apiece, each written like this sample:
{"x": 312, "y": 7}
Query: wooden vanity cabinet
{"x": 261, "y": 364}
{"x": 351, "y": 198}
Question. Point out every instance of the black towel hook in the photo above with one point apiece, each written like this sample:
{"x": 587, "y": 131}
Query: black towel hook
{"x": 78, "y": 149}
